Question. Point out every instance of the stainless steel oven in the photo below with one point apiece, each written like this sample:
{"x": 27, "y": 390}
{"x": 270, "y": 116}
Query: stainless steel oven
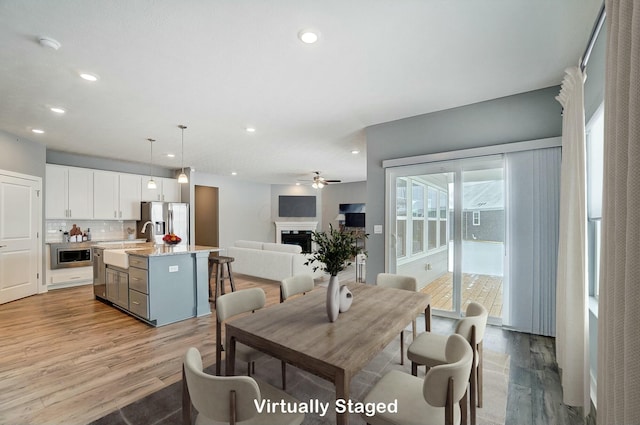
{"x": 73, "y": 254}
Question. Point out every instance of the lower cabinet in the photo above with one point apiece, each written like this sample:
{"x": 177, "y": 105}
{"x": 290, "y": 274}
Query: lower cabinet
{"x": 117, "y": 283}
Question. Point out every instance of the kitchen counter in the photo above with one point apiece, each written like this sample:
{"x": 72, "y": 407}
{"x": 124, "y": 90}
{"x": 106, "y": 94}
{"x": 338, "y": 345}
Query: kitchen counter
{"x": 153, "y": 250}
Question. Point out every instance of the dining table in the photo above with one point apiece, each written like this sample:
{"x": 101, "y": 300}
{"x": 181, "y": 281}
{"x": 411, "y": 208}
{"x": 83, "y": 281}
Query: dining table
{"x": 299, "y": 333}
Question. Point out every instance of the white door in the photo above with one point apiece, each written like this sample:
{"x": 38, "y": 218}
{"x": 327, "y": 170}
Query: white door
{"x": 20, "y": 222}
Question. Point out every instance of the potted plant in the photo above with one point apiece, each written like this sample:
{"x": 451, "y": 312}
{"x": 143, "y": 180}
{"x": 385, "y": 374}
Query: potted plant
{"x": 333, "y": 252}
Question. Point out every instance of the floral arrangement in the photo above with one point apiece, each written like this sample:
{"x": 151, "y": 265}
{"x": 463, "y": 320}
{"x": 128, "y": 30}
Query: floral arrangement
{"x": 334, "y": 250}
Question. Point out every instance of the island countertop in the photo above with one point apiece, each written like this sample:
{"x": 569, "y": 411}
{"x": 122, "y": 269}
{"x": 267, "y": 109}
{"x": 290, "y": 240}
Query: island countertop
{"x": 154, "y": 250}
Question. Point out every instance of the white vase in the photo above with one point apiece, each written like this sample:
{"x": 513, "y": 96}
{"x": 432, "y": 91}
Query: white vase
{"x": 346, "y": 298}
{"x": 333, "y": 298}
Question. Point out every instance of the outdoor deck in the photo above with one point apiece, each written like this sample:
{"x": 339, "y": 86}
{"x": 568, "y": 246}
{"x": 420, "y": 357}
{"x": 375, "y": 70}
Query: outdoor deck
{"x": 484, "y": 289}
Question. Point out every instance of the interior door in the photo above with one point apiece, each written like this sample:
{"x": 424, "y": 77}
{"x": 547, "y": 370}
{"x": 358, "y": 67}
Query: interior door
{"x": 20, "y": 222}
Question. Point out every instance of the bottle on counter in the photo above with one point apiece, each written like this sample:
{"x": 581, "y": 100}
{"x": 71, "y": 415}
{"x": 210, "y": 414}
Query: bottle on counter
{"x": 88, "y": 233}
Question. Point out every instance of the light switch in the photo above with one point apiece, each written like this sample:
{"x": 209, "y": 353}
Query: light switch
{"x": 377, "y": 228}
{"x": 173, "y": 269}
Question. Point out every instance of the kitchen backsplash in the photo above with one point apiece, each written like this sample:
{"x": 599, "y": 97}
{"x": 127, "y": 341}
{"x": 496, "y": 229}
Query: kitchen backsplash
{"x": 100, "y": 230}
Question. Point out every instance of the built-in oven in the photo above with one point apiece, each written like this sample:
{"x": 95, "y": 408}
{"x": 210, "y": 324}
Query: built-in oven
{"x": 72, "y": 254}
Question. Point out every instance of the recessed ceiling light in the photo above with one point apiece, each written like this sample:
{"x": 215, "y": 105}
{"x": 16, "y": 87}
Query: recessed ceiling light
{"x": 37, "y": 131}
{"x": 170, "y": 155}
{"x": 57, "y": 110}
{"x": 297, "y": 183}
{"x": 89, "y": 77}
{"x": 355, "y": 151}
{"x": 308, "y": 36}
{"x": 250, "y": 130}
{"x": 233, "y": 173}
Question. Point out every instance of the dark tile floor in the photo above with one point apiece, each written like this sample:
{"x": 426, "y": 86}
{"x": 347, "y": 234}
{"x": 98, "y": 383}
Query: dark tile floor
{"x": 535, "y": 393}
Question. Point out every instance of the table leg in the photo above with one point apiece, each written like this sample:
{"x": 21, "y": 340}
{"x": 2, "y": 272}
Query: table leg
{"x": 342, "y": 393}
{"x": 427, "y": 318}
{"x": 230, "y": 355}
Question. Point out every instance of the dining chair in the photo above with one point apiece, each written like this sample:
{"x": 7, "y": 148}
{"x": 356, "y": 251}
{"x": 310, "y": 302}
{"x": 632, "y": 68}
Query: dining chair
{"x": 396, "y": 281}
{"x": 229, "y": 399}
{"x": 429, "y": 349}
{"x": 294, "y": 285}
{"x": 437, "y": 399}
{"x": 232, "y": 304}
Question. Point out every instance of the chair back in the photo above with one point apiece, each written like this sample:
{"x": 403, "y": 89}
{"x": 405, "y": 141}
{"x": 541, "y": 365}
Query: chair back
{"x": 293, "y": 285}
{"x": 476, "y": 315}
{"x": 390, "y": 280}
{"x": 459, "y": 358}
{"x": 242, "y": 301}
{"x": 210, "y": 394}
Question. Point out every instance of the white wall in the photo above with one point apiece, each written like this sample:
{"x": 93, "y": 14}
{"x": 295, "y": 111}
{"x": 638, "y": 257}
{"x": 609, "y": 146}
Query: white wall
{"x": 244, "y": 208}
{"x": 293, "y": 190}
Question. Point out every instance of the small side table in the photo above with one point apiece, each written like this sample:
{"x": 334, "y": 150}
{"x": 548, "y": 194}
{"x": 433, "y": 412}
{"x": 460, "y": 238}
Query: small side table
{"x": 361, "y": 267}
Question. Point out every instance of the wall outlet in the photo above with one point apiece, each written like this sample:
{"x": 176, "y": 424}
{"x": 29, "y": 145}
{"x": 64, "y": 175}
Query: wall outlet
{"x": 173, "y": 269}
{"x": 427, "y": 266}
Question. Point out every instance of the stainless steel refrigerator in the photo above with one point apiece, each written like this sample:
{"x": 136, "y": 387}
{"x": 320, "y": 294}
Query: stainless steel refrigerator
{"x": 160, "y": 218}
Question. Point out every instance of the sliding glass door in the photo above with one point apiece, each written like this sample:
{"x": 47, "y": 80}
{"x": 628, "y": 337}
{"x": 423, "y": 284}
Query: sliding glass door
{"x": 447, "y": 228}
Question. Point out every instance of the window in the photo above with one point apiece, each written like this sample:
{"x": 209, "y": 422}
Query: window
{"x": 595, "y": 176}
{"x": 425, "y": 227}
{"x": 476, "y": 218}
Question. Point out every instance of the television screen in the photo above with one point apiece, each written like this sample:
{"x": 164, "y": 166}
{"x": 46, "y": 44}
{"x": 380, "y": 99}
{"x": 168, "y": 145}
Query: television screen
{"x": 354, "y": 219}
{"x": 296, "y": 206}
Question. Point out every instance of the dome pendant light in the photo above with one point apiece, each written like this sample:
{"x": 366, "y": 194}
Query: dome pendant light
{"x": 182, "y": 178}
{"x": 151, "y": 184}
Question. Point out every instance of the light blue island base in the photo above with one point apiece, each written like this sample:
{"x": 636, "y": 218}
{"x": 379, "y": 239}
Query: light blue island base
{"x": 166, "y": 284}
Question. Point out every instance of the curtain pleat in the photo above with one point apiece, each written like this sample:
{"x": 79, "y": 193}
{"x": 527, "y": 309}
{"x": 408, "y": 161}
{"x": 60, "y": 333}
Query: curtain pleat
{"x": 572, "y": 335}
{"x": 619, "y": 312}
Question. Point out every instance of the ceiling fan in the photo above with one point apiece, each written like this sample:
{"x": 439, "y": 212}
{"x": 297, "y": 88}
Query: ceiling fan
{"x": 319, "y": 182}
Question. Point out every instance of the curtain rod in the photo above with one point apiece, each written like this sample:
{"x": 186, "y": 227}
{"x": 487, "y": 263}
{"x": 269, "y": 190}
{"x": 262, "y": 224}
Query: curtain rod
{"x": 592, "y": 39}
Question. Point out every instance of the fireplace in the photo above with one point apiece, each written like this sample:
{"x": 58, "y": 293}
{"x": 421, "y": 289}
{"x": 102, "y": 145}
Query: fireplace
{"x": 296, "y": 233}
{"x": 296, "y": 237}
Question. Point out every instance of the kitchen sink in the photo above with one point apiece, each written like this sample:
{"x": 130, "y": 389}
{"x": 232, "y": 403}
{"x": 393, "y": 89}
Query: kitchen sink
{"x": 118, "y": 257}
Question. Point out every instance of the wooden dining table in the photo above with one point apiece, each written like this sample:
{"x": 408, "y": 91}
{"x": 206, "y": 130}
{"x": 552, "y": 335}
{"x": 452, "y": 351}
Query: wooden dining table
{"x": 299, "y": 332}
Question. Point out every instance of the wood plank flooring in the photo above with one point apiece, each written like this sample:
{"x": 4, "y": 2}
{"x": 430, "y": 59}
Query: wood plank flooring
{"x": 484, "y": 289}
{"x": 66, "y": 358}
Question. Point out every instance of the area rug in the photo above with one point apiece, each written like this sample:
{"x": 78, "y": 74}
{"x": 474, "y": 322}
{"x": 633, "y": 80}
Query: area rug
{"x": 164, "y": 406}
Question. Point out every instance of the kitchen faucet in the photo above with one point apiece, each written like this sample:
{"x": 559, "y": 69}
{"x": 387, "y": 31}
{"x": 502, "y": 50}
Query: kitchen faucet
{"x": 144, "y": 226}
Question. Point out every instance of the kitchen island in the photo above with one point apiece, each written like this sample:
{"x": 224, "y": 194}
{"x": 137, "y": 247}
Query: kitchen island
{"x": 158, "y": 284}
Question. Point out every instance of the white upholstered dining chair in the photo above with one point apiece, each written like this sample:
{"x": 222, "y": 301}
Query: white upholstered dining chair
{"x": 437, "y": 399}
{"x": 396, "y": 281}
{"x": 229, "y": 399}
{"x": 429, "y": 349}
{"x": 232, "y": 304}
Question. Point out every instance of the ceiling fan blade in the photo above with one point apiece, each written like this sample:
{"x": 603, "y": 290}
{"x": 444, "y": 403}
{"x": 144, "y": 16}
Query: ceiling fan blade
{"x": 332, "y": 181}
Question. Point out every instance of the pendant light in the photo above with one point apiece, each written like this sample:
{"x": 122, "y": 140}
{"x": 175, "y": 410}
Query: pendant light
{"x": 151, "y": 184}
{"x": 182, "y": 178}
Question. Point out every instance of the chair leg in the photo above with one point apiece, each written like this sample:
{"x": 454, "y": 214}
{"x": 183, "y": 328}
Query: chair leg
{"x": 413, "y": 324}
{"x": 414, "y": 369}
{"x": 232, "y": 283}
{"x": 402, "y": 347}
{"x": 283, "y": 365}
{"x": 480, "y": 374}
{"x": 186, "y": 401}
{"x": 473, "y": 385}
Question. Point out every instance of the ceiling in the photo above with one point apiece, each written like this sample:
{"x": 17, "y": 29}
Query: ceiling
{"x": 219, "y": 67}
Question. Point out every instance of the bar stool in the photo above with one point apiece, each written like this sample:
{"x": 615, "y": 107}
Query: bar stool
{"x": 219, "y": 275}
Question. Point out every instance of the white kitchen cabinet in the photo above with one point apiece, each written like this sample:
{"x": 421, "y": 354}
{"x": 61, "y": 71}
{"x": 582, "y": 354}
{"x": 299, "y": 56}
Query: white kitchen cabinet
{"x": 116, "y": 196}
{"x": 167, "y": 190}
{"x": 69, "y": 192}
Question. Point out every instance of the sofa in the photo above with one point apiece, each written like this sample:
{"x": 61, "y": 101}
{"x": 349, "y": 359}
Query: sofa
{"x": 270, "y": 260}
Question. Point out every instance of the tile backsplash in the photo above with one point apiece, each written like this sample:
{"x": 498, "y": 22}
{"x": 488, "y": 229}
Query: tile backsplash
{"x": 100, "y": 230}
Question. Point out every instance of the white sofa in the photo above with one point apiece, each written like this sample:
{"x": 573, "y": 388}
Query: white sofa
{"x": 270, "y": 260}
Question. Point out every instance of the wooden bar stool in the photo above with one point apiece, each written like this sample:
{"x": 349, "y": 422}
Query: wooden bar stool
{"x": 216, "y": 270}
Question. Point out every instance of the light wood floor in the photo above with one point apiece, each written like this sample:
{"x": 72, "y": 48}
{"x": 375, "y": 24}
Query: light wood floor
{"x": 483, "y": 289}
{"x": 66, "y": 358}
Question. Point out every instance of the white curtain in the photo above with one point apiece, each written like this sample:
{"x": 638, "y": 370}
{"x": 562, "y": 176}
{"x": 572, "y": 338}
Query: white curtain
{"x": 619, "y": 303}
{"x": 572, "y": 324}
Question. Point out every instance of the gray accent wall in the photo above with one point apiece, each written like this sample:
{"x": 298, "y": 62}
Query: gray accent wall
{"x": 22, "y": 155}
{"x": 526, "y": 116}
{"x": 336, "y": 194}
{"x": 107, "y": 164}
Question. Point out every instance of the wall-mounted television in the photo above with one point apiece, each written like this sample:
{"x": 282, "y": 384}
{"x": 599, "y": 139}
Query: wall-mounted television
{"x": 296, "y": 206}
{"x": 354, "y": 219}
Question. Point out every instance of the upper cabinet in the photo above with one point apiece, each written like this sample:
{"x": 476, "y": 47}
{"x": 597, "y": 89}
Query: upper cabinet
{"x": 69, "y": 192}
{"x": 167, "y": 190}
{"x": 116, "y": 196}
